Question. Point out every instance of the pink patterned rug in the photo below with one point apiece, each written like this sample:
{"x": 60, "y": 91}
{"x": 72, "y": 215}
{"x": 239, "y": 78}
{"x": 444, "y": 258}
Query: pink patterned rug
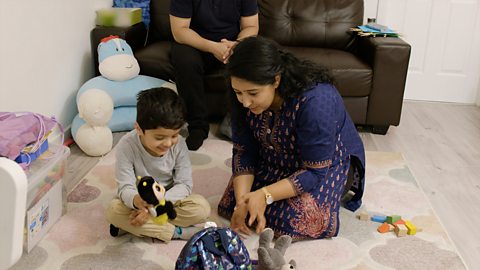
{"x": 80, "y": 239}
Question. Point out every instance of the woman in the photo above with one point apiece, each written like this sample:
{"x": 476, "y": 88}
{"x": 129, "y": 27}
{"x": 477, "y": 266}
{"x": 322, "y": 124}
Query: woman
{"x": 294, "y": 145}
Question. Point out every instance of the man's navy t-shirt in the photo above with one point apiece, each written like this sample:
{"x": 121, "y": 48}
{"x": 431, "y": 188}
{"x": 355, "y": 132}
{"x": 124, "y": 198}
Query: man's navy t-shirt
{"x": 214, "y": 19}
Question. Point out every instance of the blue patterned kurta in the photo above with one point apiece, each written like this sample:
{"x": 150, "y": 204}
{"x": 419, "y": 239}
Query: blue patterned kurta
{"x": 310, "y": 140}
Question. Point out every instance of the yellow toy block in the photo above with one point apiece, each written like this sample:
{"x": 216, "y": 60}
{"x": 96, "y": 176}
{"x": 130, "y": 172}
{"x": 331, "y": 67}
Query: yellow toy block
{"x": 412, "y": 230}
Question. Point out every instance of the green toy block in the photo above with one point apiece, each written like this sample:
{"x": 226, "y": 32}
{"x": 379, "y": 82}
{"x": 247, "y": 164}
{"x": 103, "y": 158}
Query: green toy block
{"x": 393, "y": 219}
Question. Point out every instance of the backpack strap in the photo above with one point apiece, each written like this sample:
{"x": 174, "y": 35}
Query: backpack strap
{"x": 225, "y": 239}
{"x": 209, "y": 245}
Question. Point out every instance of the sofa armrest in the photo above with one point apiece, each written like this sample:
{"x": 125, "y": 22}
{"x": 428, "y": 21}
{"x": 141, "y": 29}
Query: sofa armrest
{"x": 389, "y": 59}
{"x": 135, "y": 36}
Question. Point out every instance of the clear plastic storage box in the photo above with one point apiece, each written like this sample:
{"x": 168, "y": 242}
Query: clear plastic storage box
{"x": 46, "y": 196}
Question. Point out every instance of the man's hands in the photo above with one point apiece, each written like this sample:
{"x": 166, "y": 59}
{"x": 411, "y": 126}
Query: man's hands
{"x": 139, "y": 216}
{"x": 252, "y": 203}
{"x": 223, "y": 49}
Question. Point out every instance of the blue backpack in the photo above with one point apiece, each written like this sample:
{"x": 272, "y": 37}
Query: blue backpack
{"x": 214, "y": 248}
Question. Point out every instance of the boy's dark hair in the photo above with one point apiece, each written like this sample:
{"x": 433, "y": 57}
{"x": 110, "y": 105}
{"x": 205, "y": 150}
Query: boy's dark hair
{"x": 160, "y": 108}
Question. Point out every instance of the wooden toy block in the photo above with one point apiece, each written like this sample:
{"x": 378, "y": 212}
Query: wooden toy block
{"x": 393, "y": 219}
{"x": 401, "y": 230}
{"x": 391, "y": 228}
{"x": 363, "y": 215}
{"x": 378, "y": 218}
{"x": 384, "y": 228}
{"x": 412, "y": 230}
{"x": 400, "y": 221}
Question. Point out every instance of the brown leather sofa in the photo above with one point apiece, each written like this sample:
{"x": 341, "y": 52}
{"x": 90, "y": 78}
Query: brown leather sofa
{"x": 370, "y": 73}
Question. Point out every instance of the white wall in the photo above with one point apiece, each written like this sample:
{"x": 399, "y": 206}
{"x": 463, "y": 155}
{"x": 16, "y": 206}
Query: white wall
{"x": 370, "y": 9}
{"x": 45, "y": 54}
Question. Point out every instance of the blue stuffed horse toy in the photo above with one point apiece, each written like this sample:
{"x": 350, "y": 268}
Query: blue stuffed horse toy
{"x": 107, "y": 103}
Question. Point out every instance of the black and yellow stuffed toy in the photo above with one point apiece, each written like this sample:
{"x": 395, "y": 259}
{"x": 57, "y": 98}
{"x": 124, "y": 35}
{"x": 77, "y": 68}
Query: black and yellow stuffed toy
{"x": 153, "y": 193}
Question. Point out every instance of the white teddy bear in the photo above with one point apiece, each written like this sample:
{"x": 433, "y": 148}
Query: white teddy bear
{"x": 108, "y": 103}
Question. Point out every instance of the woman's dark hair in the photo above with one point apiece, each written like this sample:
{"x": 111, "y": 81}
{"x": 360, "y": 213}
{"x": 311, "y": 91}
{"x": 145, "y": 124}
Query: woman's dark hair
{"x": 259, "y": 60}
{"x": 160, "y": 108}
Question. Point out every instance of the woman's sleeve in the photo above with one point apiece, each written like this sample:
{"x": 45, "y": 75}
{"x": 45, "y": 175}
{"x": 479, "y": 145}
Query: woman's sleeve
{"x": 316, "y": 128}
{"x": 245, "y": 150}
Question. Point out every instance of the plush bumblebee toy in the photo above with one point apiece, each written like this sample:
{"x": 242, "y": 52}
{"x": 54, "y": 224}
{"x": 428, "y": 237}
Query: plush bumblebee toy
{"x": 153, "y": 193}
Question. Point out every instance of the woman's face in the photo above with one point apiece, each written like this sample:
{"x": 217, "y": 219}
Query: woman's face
{"x": 257, "y": 98}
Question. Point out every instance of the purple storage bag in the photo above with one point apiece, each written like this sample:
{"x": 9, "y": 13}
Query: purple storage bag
{"x": 17, "y": 130}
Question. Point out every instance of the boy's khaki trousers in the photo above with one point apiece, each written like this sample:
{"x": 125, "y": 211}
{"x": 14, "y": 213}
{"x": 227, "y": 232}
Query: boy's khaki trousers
{"x": 192, "y": 210}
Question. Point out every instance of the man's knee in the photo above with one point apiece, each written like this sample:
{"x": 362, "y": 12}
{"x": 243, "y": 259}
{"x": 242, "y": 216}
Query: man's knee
{"x": 185, "y": 57}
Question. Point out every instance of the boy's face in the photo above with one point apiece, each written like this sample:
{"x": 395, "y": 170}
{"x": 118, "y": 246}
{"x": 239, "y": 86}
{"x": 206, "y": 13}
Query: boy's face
{"x": 157, "y": 141}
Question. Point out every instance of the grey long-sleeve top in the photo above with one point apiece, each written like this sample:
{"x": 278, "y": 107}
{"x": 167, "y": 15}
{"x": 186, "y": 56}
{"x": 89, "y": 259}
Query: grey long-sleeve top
{"x": 172, "y": 170}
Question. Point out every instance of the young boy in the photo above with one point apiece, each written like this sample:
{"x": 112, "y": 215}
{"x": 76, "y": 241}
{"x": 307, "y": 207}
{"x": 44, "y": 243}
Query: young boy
{"x": 155, "y": 148}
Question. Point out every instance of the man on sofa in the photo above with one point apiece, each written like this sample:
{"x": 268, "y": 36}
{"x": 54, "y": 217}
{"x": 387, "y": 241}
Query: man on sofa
{"x": 205, "y": 33}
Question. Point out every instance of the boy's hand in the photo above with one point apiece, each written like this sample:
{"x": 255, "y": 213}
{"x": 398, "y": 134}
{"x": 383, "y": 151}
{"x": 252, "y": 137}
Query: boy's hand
{"x": 139, "y": 203}
{"x": 139, "y": 217}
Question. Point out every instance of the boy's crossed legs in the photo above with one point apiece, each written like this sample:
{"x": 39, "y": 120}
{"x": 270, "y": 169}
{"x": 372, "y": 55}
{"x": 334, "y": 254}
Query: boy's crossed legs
{"x": 192, "y": 210}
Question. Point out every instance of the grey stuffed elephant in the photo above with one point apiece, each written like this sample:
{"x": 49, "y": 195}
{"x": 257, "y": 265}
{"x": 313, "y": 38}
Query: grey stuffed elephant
{"x": 273, "y": 258}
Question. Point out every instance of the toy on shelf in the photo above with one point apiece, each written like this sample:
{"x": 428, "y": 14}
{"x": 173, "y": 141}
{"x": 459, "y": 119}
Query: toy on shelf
{"x": 107, "y": 103}
{"x": 118, "y": 17}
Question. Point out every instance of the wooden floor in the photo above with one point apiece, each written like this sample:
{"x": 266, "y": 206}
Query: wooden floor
{"x": 441, "y": 144}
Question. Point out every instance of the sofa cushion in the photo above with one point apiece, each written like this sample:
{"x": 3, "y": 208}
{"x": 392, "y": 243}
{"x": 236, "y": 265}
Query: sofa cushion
{"x": 352, "y": 76}
{"x": 310, "y": 23}
{"x": 160, "y": 21}
{"x": 154, "y": 60}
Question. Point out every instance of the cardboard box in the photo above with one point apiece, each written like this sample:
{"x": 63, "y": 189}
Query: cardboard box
{"x": 46, "y": 196}
{"x": 119, "y": 17}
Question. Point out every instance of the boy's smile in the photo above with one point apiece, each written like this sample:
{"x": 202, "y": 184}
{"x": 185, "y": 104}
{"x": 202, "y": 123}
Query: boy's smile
{"x": 158, "y": 141}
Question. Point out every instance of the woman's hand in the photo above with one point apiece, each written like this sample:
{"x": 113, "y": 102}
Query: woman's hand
{"x": 256, "y": 206}
{"x": 237, "y": 222}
